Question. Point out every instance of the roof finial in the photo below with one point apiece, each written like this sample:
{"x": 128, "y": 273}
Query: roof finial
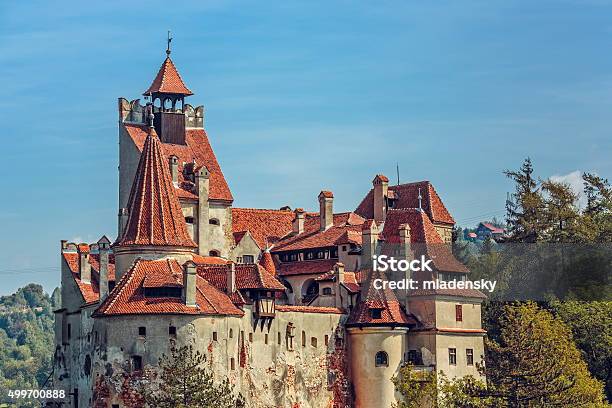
{"x": 398, "y": 177}
{"x": 169, "y": 41}
{"x": 420, "y": 200}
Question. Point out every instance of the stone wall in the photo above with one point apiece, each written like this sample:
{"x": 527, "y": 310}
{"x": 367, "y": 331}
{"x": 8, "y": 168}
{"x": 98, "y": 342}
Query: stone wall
{"x": 300, "y": 371}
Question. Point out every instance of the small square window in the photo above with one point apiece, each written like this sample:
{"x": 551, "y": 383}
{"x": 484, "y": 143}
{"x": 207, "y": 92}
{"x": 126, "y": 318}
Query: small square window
{"x": 469, "y": 355}
{"x": 248, "y": 259}
{"x": 142, "y": 331}
{"x": 376, "y": 313}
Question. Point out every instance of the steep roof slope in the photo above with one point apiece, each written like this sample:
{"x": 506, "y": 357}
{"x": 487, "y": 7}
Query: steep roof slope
{"x": 196, "y": 149}
{"x": 155, "y": 216}
{"x": 407, "y": 196}
{"x": 168, "y": 80}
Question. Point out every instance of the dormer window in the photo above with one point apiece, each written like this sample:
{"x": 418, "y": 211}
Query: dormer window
{"x": 376, "y": 313}
{"x": 163, "y": 291}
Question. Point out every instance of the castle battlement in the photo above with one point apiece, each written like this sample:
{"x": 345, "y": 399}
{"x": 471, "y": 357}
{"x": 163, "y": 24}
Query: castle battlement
{"x": 134, "y": 112}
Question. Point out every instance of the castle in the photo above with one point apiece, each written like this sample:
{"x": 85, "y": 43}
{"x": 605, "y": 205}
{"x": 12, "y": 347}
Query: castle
{"x": 279, "y": 301}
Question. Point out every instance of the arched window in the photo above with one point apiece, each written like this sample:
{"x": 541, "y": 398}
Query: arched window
{"x": 167, "y": 104}
{"x": 213, "y": 253}
{"x": 213, "y": 221}
{"x": 382, "y": 359}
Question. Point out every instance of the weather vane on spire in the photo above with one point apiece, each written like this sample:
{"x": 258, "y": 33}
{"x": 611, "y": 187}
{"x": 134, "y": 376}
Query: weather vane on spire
{"x": 169, "y": 41}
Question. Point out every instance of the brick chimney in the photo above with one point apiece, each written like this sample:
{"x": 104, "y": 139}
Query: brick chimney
{"x": 84, "y": 266}
{"x": 173, "y": 163}
{"x": 381, "y": 186}
{"x": 202, "y": 181}
{"x": 326, "y": 209}
{"x": 104, "y": 249}
{"x": 231, "y": 279}
{"x": 404, "y": 235}
{"x": 189, "y": 284}
{"x": 369, "y": 237}
{"x": 298, "y": 222}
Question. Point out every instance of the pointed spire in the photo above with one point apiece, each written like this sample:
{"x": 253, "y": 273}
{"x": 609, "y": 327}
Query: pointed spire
{"x": 155, "y": 216}
{"x": 168, "y": 80}
{"x": 267, "y": 261}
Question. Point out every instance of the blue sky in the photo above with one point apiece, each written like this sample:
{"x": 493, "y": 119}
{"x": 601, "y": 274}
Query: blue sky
{"x": 300, "y": 96}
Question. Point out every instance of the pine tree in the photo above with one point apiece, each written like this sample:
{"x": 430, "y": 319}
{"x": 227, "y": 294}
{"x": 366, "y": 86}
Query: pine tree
{"x": 560, "y": 212}
{"x": 533, "y": 362}
{"x": 185, "y": 382}
{"x": 523, "y": 210}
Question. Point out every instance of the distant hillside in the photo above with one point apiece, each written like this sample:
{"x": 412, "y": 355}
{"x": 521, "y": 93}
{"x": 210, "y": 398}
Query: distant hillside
{"x": 26, "y": 338}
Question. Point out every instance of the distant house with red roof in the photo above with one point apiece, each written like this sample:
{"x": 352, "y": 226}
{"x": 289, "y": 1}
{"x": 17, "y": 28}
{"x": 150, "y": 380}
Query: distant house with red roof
{"x": 486, "y": 230}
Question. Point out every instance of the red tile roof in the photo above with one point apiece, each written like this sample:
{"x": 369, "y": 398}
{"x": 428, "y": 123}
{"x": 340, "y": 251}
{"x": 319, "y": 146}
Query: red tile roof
{"x": 313, "y": 237}
{"x": 248, "y": 276}
{"x": 264, "y": 225}
{"x": 155, "y": 216}
{"x": 350, "y": 280}
{"x": 197, "y": 149}
{"x": 168, "y": 80}
{"x": 407, "y": 197}
{"x": 492, "y": 228}
{"x": 315, "y": 266}
{"x": 424, "y": 236}
{"x": 209, "y": 260}
{"x": 326, "y": 194}
{"x": 268, "y": 262}
{"x": 381, "y": 177}
{"x": 309, "y": 309}
{"x": 384, "y": 300}
{"x": 128, "y": 296}
{"x": 89, "y": 291}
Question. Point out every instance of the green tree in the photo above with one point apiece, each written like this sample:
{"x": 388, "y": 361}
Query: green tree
{"x": 417, "y": 387}
{"x": 523, "y": 209}
{"x": 185, "y": 382}
{"x": 560, "y": 212}
{"x": 534, "y": 362}
{"x": 591, "y": 324}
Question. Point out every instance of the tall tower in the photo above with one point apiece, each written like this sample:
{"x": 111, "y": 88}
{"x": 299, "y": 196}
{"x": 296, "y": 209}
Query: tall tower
{"x": 377, "y": 334}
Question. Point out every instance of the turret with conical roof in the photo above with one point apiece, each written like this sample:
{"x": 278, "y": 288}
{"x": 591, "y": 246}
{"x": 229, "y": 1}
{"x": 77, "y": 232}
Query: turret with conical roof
{"x": 155, "y": 226}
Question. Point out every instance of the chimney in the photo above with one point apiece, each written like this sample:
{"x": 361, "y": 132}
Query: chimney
{"x": 84, "y": 266}
{"x": 369, "y": 237}
{"x": 326, "y": 209}
{"x": 104, "y": 249}
{"x": 123, "y": 219}
{"x": 404, "y": 235}
{"x": 231, "y": 279}
{"x": 339, "y": 272}
{"x": 298, "y": 221}
{"x": 173, "y": 162}
{"x": 380, "y": 187}
{"x": 202, "y": 180}
{"x": 64, "y": 244}
{"x": 189, "y": 284}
